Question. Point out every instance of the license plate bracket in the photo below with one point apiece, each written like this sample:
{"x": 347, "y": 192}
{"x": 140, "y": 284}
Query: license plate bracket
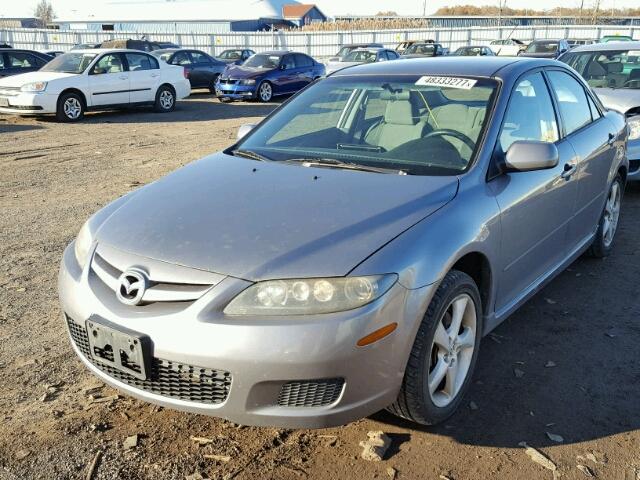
{"x": 4, "y": 102}
{"x": 119, "y": 347}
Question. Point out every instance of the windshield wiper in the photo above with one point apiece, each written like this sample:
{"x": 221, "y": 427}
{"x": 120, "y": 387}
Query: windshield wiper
{"x": 250, "y": 154}
{"x": 333, "y": 163}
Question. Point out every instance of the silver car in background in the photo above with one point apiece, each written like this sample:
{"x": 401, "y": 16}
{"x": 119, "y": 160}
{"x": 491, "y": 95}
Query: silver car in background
{"x": 348, "y": 253}
{"x": 613, "y": 71}
{"x": 360, "y": 56}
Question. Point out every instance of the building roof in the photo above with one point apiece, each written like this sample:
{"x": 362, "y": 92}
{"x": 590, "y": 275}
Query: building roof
{"x": 298, "y": 10}
{"x": 113, "y": 11}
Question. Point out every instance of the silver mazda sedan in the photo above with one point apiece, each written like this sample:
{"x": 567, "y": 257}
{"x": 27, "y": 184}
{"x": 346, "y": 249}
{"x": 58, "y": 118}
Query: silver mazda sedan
{"x": 349, "y": 253}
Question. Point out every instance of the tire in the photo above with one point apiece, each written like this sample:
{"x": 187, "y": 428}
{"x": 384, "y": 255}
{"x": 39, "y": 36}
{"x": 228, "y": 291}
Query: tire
{"x": 450, "y": 372}
{"x": 607, "y": 226}
{"x": 165, "y": 100}
{"x": 264, "y": 93}
{"x": 212, "y": 84}
{"x": 70, "y": 108}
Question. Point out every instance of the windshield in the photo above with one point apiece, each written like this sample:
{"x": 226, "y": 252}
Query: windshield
{"x": 231, "y": 54}
{"x": 407, "y": 123}
{"x": 421, "y": 49}
{"x": 73, "y": 62}
{"x": 361, "y": 56}
{"x": 542, "y": 47}
{"x": 263, "y": 61}
{"x": 469, "y": 51}
{"x": 344, "y": 51}
{"x": 608, "y": 69}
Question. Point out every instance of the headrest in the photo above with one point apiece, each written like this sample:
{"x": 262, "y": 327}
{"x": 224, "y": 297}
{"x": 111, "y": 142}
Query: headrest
{"x": 596, "y": 70}
{"x": 614, "y": 67}
{"x": 399, "y": 112}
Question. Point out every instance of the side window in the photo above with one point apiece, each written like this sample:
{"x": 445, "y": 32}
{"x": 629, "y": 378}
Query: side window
{"x": 302, "y": 61}
{"x": 288, "y": 62}
{"x": 199, "y": 57}
{"x": 108, "y": 64}
{"x": 139, "y": 62}
{"x": 574, "y": 107}
{"x": 530, "y": 114}
{"x": 595, "y": 113}
{"x": 181, "y": 58}
{"x": 21, "y": 60}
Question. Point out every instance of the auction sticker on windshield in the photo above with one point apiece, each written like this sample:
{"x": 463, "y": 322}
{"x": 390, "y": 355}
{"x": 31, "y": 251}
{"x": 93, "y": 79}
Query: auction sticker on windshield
{"x": 450, "y": 82}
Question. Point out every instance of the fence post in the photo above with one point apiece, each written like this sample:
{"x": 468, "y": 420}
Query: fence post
{"x": 212, "y": 45}
{"x": 469, "y": 39}
{"x": 308, "y": 35}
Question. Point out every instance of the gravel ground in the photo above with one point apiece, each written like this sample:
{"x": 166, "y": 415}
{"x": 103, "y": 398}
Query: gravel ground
{"x": 565, "y": 364}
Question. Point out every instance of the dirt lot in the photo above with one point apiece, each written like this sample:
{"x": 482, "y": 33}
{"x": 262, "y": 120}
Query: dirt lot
{"x": 53, "y": 176}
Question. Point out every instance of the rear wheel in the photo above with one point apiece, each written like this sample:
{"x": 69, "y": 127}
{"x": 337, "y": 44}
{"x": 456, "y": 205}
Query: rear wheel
{"x": 70, "y": 108}
{"x": 165, "y": 99}
{"x": 444, "y": 353}
{"x": 265, "y": 92}
{"x": 608, "y": 225}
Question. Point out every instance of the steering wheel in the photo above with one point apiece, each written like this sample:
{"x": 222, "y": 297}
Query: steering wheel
{"x": 633, "y": 81}
{"x": 447, "y": 132}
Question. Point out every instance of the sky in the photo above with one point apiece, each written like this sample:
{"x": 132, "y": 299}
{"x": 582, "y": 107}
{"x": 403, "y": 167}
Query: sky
{"x": 25, "y": 8}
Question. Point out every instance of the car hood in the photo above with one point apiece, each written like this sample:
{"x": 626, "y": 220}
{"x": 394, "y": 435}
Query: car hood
{"x": 24, "y": 78}
{"x": 539, "y": 55}
{"x": 260, "y": 220}
{"x": 241, "y": 72}
{"x": 620, "y": 99}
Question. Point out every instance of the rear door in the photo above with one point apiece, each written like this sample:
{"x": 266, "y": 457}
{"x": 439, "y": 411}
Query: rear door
{"x": 304, "y": 70}
{"x": 536, "y": 207}
{"x": 592, "y": 137}
{"x": 286, "y": 79}
{"x": 144, "y": 76}
{"x": 109, "y": 81}
{"x": 202, "y": 70}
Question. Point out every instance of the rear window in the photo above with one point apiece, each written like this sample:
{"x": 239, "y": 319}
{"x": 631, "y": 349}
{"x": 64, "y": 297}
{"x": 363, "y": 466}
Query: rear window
{"x": 607, "y": 69}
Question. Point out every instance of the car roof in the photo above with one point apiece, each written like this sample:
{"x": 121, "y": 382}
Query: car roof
{"x": 501, "y": 67}
{"x": 369, "y": 49}
{"x": 600, "y": 47}
{"x": 275, "y": 52}
{"x": 109, "y": 50}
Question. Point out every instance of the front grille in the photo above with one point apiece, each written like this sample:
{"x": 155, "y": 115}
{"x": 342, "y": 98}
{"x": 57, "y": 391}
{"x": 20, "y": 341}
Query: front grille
{"x": 310, "y": 393}
{"x": 228, "y": 81}
{"x": 167, "y": 378}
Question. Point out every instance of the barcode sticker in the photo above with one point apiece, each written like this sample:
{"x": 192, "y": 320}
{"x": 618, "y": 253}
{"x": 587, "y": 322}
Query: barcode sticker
{"x": 449, "y": 82}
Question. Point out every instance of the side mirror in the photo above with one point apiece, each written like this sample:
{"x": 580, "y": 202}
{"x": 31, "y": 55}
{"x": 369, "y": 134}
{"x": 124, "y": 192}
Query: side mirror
{"x": 283, "y": 66}
{"x": 527, "y": 156}
{"x": 99, "y": 71}
{"x": 244, "y": 129}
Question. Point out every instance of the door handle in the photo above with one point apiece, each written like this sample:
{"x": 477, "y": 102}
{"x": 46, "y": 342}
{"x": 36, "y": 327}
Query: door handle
{"x": 155, "y": 74}
{"x": 569, "y": 170}
{"x": 612, "y": 139}
{"x": 123, "y": 77}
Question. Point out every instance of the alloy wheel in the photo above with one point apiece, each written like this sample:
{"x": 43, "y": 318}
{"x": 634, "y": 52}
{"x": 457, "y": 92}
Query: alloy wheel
{"x": 265, "y": 92}
{"x": 611, "y": 214}
{"x": 452, "y": 350}
{"x": 166, "y": 99}
{"x": 72, "y": 108}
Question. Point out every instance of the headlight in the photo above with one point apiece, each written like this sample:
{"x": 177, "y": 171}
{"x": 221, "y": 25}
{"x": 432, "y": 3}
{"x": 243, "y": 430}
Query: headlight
{"x": 310, "y": 296}
{"x": 34, "y": 87}
{"x": 634, "y": 127}
{"x": 247, "y": 82}
{"x": 83, "y": 244}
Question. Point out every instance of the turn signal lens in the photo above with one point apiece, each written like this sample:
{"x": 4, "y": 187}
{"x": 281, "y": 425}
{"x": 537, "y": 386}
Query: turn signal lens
{"x": 377, "y": 335}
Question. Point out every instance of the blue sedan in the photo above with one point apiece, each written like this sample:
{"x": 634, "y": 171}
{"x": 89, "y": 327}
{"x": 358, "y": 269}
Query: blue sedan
{"x": 268, "y": 74}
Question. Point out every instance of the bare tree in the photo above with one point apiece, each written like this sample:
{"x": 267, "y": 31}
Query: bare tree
{"x": 44, "y": 12}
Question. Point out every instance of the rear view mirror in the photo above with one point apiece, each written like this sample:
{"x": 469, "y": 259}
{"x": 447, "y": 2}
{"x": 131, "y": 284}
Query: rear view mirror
{"x": 526, "y": 156}
{"x": 244, "y": 129}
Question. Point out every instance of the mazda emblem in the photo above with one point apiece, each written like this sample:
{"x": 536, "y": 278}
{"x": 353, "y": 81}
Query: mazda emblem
{"x": 131, "y": 287}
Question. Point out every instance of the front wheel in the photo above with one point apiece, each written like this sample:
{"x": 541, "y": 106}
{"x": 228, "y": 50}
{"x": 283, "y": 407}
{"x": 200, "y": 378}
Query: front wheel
{"x": 212, "y": 85}
{"x": 165, "y": 100}
{"x": 70, "y": 108}
{"x": 608, "y": 225}
{"x": 265, "y": 92}
{"x": 444, "y": 353}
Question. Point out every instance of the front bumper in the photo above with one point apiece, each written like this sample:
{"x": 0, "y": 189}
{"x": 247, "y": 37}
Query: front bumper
{"x": 23, "y": 103}
{"x": 236, "y": 91}
{"x": 277, "y": 367}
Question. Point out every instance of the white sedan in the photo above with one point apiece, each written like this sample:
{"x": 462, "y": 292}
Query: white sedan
{"x": 99, "y": 79}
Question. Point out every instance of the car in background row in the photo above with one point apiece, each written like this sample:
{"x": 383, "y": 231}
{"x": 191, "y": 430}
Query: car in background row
{"x": 85, "y": 46}
{"x": 5, "y": 45}
{"x": 54, "y": 53}
{"x": 267, "y": 74}
{"x": 612, "y": 70}
{"x": 167, "y": 45}
{"x": 474, "y": 51}
{"x": 201, "y": 69}
{"x": 347, "y": 49}
{"x": 577, "y": 42}
{"x": 402, "y": 46}
{"x": 546, "y": 49}
{"x": 362, "y": 55}
{"x": 509, "y": 47}
{"x": 236, "y": 56}
{"x": 15, "y": 62}
{"x": 615, "y": 38}
{"x": 82, "y": 80}
{"x": 420, "y": 50}
{"x": 143, "y": 45}
{"x": 350, "y": 252}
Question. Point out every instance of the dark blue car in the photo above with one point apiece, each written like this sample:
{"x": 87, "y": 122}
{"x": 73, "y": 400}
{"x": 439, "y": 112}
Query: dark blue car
{"x": 265, "y": 75}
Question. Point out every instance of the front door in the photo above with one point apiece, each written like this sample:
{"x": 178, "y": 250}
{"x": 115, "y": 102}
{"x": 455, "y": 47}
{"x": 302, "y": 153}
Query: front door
{"x": 536, "y": 207}
{"x": 109, "y": 81}
{"x": 144, "y": 76}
